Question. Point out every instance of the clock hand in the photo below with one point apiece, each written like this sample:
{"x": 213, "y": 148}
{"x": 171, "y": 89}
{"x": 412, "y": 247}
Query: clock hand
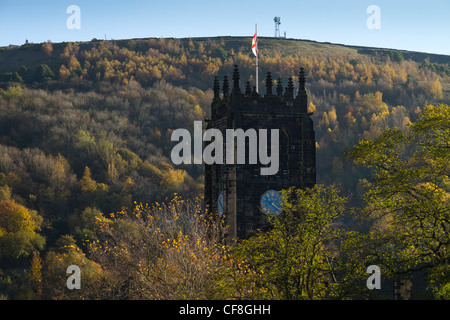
{"x": 276, "y": 206}
{"x": 273, "y": 206}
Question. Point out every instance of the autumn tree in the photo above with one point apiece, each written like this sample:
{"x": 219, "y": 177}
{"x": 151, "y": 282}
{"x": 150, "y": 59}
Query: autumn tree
{"x": 92, "y": 192}
{"x": 19, "y": 231}
{"x": 164, "y": 251}
{"x": 66, "y": 253}
{"x": 47, "y": 47}
{"x": 35, "y": 276}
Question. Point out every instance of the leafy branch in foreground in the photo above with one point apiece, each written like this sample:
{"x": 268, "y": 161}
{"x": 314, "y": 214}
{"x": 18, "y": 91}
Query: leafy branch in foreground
{"x": 408, "y": 199}
{"x": 299, "y": 258}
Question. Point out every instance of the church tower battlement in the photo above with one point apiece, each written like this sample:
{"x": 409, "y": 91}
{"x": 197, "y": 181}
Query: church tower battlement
{"x": 238, "y": 191}
{"x": 279, "y": 99}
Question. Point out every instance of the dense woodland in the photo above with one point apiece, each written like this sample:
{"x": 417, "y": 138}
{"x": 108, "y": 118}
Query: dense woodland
{"x": 86, "y": 176}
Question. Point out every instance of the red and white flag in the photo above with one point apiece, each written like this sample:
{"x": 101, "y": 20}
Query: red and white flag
{"x": 255, "y": 45}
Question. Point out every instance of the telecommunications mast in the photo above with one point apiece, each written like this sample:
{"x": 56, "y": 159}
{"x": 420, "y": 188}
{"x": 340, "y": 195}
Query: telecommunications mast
{"x": 277, "y": 21}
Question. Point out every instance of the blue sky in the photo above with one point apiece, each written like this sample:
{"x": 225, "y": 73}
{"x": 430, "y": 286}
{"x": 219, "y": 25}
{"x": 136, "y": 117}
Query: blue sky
{"x": 410, "y": 25}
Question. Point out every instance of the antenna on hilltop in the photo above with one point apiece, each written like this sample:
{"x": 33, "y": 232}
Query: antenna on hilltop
{"x": 277, "y": 21}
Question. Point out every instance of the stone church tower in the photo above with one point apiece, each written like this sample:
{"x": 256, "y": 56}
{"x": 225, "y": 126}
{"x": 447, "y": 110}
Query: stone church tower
{"x": 240, "y": 192}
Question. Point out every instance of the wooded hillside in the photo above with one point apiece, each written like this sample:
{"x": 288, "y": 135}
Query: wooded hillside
{"x": 85, "y": 127}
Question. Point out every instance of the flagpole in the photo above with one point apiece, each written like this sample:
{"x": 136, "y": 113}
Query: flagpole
{"x": 257, "y": 81}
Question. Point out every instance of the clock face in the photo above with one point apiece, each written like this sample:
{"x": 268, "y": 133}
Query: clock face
{"x": 220, "y": 207}
{"x": 271, "y": 203}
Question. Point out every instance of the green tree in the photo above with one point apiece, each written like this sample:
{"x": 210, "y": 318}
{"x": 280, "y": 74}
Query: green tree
{"x": 294, "y": 260}
{"x": 408, "y": 199}
{"x": 86, "y": 224}
{"x": 396, "y": 56}
{"x": 43, "y": 73}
